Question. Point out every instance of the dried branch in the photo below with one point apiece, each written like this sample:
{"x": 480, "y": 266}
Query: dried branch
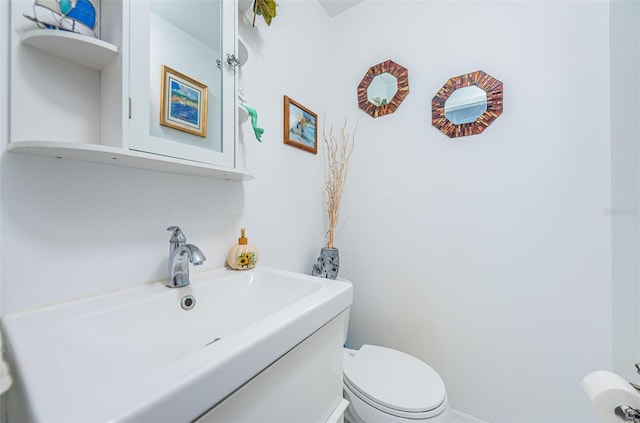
{"x": 338, "y": 155}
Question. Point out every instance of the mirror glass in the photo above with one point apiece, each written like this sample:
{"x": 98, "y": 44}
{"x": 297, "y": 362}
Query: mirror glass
{"x": 185, "y": 35}
{"x": 382, "y": 89}
{"x": 465, "y": 105}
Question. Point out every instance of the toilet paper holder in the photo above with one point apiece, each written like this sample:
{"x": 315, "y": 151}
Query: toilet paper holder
{"x": 613, "y": 397}
{"x": 637, "y": 387}
{"x": 628, "y": 413}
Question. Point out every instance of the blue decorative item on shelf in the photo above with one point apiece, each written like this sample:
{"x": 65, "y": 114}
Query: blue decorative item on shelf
{"x": 77, "y": 16}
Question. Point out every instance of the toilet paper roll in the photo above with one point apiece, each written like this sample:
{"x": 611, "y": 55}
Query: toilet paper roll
{"x": 608, "y": 391}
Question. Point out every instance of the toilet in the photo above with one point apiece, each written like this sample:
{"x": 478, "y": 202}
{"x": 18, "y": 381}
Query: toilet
{"x": 384, "y": 385}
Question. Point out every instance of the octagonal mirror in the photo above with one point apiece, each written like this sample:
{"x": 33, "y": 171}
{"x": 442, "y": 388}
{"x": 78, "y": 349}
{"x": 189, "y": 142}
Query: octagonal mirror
{"x": 383, "y": 88}
{"x": 467, "y": 104}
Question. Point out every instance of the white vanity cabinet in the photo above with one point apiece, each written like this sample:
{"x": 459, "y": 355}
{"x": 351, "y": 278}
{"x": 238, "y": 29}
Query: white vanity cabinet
{"x": 303, "y": 386}
{"x": 77, "y": 97}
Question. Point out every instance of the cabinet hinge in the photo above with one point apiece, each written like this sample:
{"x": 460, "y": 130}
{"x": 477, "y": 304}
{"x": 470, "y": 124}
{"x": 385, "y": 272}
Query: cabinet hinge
{"x": 129, "y": 107}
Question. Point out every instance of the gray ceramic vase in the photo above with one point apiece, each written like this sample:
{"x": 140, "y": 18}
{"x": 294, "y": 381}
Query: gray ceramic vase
{"x": 328, "y": 264}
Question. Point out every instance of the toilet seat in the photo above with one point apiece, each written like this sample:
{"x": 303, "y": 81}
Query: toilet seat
{"x": 394, "y": 382}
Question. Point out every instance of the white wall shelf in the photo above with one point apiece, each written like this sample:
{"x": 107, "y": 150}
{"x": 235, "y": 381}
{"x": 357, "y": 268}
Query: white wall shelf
{"x": 127, "y": 158}
{"x": 81, "y": 49}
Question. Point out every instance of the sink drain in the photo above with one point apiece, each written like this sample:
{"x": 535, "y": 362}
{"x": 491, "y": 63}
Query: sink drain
{"x": 188, "y": 302}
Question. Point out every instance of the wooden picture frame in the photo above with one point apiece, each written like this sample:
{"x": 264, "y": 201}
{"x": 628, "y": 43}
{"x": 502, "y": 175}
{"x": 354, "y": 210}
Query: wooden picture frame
{"x": 300, "y": 126}
{"x": 183, "y": 103}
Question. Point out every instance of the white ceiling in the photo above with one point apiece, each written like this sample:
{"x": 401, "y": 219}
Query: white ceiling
{"x": 335, "y": 7}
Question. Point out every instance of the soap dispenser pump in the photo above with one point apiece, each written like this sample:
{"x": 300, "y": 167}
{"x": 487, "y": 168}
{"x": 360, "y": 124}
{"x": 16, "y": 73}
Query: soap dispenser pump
{"x": 244, "y": 255}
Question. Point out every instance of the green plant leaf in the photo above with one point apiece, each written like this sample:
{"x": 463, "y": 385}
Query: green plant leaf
{"x": 267, "y": 9}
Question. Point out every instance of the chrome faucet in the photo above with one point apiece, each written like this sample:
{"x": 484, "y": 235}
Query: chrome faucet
{"x": 180, "y": 254}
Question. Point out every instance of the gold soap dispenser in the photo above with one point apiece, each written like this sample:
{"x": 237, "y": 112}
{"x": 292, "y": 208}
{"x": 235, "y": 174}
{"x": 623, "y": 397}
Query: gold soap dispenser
{"x": 243, "y": 256}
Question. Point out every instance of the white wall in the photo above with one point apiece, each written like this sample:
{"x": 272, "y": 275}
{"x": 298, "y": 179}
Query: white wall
{"x": 487, "y": 256}
{"x": 625, "y": 184}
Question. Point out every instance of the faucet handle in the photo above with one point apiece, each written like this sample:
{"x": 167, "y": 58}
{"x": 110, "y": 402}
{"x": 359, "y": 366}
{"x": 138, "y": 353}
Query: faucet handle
{"x": 177, "y": 236}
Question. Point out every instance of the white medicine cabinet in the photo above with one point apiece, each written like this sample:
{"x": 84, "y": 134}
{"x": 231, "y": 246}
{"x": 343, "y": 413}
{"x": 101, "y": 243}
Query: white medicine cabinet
{"x": 156, "y": 90}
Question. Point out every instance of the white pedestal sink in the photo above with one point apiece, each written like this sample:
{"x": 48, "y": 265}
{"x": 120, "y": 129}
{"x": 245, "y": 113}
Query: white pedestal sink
{"x": 137, "y": 355}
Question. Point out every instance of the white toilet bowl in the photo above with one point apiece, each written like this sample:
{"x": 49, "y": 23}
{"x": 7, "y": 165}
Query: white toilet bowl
{"x": 383, "y": 385}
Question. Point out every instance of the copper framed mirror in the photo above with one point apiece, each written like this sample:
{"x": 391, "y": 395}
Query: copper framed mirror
{"x": 467, "y": 104}
{"x": 383, "y": 88}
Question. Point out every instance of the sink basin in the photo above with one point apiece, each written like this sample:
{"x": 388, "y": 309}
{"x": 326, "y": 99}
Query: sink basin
{"x": 137, "y": 355}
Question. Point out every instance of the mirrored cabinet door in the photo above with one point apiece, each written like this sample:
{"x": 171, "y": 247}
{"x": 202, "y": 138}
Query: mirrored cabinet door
{"x": 182, "y": 89}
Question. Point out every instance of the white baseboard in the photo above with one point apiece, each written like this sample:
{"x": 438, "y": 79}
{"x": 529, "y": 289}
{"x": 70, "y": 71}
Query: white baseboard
{"x": 460, "y": 417}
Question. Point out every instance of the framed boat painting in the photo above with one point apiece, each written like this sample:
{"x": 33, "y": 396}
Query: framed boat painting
{"x": 183, "y": 103}
{"x": 300, "y": 126}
